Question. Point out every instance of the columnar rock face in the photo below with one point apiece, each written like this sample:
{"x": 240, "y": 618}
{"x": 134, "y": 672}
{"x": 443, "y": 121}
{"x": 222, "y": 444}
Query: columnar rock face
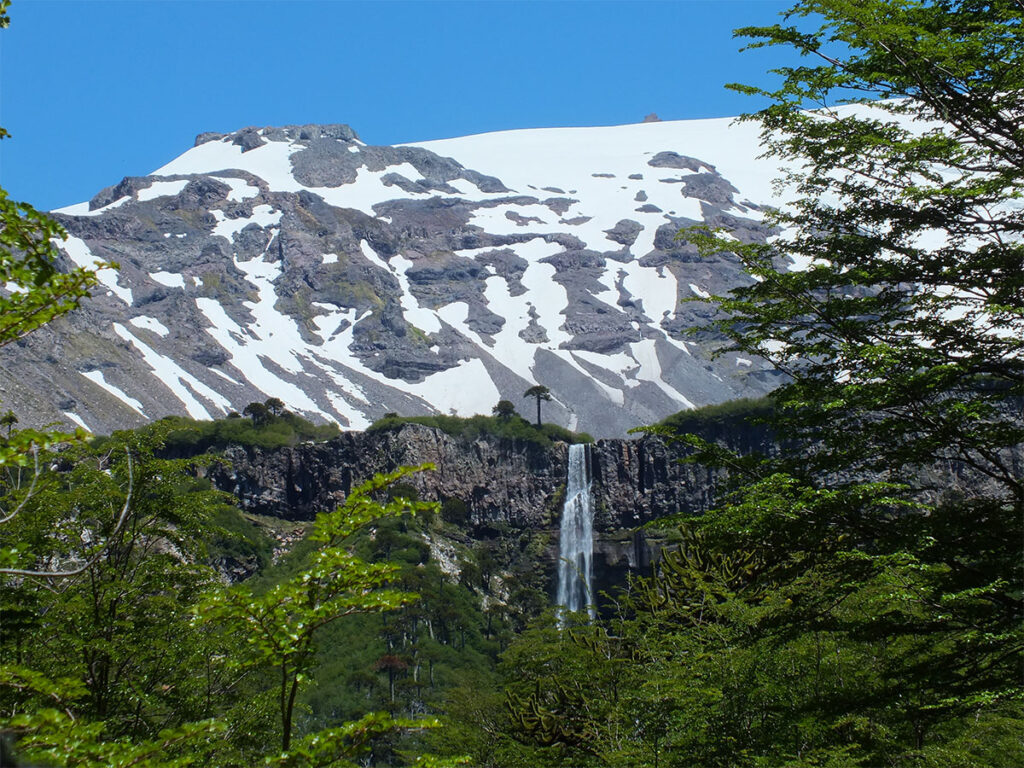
{"x": 352, "y": 280}
{"x": 501, "y": 481}
{"x": 508, "y": 487}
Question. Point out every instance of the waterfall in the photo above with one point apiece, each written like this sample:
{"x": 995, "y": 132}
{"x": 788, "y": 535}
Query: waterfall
{"x": 576, "y": 543}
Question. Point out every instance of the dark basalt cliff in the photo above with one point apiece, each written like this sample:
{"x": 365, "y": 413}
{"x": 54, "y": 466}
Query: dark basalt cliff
{"x": 508, "y": 488}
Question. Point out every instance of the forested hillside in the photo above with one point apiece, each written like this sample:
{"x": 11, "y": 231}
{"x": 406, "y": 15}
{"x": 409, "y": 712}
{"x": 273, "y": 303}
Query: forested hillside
{"x": 848, "y": 592}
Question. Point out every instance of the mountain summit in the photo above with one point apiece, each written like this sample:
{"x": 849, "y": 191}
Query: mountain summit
{"x": 351, "y": 280}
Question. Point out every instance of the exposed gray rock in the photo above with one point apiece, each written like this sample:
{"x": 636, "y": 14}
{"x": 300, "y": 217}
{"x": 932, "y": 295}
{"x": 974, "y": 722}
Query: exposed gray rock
{"x": 520, "y": 220}
{"x": 710, "y": 187}
{"x": 559, "y": 204}
{"x": 533, "y": 332}
{"x": 567, "y": 241}
{"x": 129, "y": 186}
{"x": 746, "y": 230}
{"x": 484, "y": 183}
{"x": 326, "y": 163}
{"x": 624, "y": 232}
{"x": 199, "y": 194}
{"x": 248, "y": 139}
{"x": 337, "y": 131}
{"x": 207, "y": 136}
{"x": 675, "y": 160}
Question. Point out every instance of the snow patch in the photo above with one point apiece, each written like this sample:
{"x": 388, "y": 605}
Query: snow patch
{"x": 150, "y": 324}
{"x": 240, "y": 188}
{"x": 78, "y": 420}
{"x": 656, "y": 286}
{"x": 262, "y": 215}
{"x": 162, "y": 189}
{"x": 418, "y": 316}
{"x": 96, "y": 377}
{"x": 270, "y": 162}
{"x": 372, "y": 257}
{"x": 549, "y": 298}
{"x": 176, "y": 378}
{"x": 270, "y": 338}
{"x": 80, "y": 254}
{"x": 170, "y": 279}
{"x": 82, "y": 209}
{"x": 646, "y": 354}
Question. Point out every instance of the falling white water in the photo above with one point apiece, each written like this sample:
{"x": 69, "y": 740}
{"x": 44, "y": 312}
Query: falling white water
{"x": 575, "y": 561}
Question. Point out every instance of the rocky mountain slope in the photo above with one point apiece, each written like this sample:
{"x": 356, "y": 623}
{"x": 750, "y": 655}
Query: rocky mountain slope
{"x": 351, "y": 280}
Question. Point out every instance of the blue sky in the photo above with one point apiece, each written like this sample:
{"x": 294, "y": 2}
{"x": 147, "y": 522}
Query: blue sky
{"x": 95, "y": 90}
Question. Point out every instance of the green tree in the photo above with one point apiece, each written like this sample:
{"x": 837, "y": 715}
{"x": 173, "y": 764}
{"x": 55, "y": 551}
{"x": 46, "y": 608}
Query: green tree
{"x": 37, "y": 292}
{"x": 910, "y": 307}
{"x": 258, "y": 412}
{"x": 540, "y": 392}
{"x": 894, "y": 300}
{"x": 504, "y": 409}
{"x": 281, "y": 626}
{"x": 109, "y": 543}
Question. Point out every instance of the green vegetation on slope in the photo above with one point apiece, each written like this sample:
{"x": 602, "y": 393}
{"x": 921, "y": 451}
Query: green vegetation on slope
{"x": 751, "y": 410}
{"x": 510, "y": 427}
{"x": 191, "y": 436}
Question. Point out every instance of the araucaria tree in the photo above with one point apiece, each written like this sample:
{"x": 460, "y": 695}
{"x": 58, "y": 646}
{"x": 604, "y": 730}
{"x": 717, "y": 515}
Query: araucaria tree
{"x": 540, "y": 392}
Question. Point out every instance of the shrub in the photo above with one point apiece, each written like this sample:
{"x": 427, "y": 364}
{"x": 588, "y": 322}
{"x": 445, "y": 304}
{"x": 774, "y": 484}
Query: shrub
{"x": 191, "y": 436}
{"x": 509, "y": 427}
{"x": 747, "y": 409}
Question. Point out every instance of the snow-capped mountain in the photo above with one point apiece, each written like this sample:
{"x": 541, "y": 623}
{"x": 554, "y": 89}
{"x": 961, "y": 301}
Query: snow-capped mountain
{"x": 352, "y": 280}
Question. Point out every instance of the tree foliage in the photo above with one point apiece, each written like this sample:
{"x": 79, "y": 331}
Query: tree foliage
{"x": 504, "y": 409}
{"x": 281, "y": 625}
{"x": 894, "y": 294}
{"x": 894, "y": 299}
{"x": 99, "y": 664}
{"x": 509, "y": 427}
